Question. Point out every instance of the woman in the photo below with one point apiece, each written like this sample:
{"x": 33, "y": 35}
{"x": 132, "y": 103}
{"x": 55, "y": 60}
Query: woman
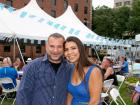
{"x": 85, "y": 84}
{"x": 124, "y": 65}
{"x": 18, "y": 64}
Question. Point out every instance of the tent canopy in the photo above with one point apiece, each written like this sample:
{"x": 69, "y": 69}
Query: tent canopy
{"x": 33, "y": 23}
{"x": 137, "y": 38}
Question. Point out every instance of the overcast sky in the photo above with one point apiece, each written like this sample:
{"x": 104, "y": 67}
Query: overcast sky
{"x": 108, "y": 3}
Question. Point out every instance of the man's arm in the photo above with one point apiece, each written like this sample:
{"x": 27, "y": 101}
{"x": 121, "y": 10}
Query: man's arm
{"x": 25, "y": 92}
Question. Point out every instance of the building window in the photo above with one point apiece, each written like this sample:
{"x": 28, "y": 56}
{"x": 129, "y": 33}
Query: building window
{"x": 118, "y": 4}
{"x": 127, "y": 3}
{"x": 28, "y": 41}
{"x": 85, "y": 10}
{"x": 43, "y": 42}
{"x": 8, "y": 2}
{"x": 35, "y": 42}
{"x": 76, "y": 7}
{"x": 38, "y": 49}
{"x": 53, "y": 13}
{"x": 26, "y": 1}
{"x": 21, "y": 41}
{"x": 65, "y": 4}
{"x": 40, "y": 2}
{"x": 22, "y": 48}
{"x": 7, "y": 48}
{"x": 85, "y": 21}
{"x": 53, "y": 2}
{"x": 86, "y": 1}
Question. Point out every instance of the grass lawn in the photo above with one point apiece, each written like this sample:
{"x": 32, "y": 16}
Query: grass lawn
{"x": 125, "y": 93}
{"x": 8, "y": 102}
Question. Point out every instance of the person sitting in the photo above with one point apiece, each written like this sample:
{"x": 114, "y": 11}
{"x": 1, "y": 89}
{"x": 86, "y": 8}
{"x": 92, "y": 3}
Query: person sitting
{"x": 28, "y": 60}
{"x": 8, "y": 71}
{"x": 108, "y": 71}
{"x": 1, "y": 59}
{"x": 124, "y": 65}
{"x": 18, "y": 64}
{"x": 136, "y": 95}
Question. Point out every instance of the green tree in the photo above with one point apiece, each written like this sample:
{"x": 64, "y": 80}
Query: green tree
{"x": 121, "y": 18}
{"x": 133, "y": 25}
{"x": 111, "y": 22}
{"x": 103, "y": 21}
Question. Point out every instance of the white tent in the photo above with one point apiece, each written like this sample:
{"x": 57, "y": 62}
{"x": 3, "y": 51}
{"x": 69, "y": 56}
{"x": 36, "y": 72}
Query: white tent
{"x": 74, "y": 27}
{"x": 3, "y": 26}
{"x": 25, "y": 24}
{"x": 33, "y": 23}
{"x": 137, "y": 38}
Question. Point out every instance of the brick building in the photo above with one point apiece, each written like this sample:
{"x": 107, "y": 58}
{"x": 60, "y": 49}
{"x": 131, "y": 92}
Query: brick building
{"x": 55, "y": 8}
{"x": 29, "y": 48}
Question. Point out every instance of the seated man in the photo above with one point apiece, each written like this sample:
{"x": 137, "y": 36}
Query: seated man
{"x": 8, "y": 71}
{"x": 108, "y": 71}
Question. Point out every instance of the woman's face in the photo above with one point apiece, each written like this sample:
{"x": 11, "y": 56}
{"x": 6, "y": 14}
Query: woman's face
{"x": 71, "y": 52}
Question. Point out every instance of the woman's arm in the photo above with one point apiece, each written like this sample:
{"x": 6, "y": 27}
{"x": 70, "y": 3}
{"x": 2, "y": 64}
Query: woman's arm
{"x": 69, "y": 98}
{"x": 95, "y": 86}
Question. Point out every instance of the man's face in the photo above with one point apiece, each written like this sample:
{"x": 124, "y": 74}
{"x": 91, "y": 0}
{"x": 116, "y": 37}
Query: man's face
{"x": 105, "y": 63}
{"x": 54, "y": 48}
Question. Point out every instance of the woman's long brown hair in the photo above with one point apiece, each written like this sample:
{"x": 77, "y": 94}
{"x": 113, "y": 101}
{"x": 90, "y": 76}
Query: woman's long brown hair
{"x": 83, "y": 59}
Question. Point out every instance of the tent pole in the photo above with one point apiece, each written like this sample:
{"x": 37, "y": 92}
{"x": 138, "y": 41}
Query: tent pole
{"x": 20, "y": 51}
{"x": 14, "y": 49}
{"x": 97, "y": 54}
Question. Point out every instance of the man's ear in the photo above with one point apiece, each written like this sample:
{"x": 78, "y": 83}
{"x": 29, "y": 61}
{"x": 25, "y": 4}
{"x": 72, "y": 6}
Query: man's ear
{"x": 46, "y": 45}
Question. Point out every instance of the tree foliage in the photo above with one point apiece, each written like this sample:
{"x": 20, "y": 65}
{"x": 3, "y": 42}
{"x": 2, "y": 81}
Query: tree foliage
{"x": 123, "y": 22}
{"x": 134, "y": 20}
{"x": 121, "y": 16}
{"x": 103, "y": 21}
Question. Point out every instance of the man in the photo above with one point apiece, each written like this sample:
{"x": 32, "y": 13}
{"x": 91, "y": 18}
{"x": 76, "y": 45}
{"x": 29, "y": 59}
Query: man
{"x": 108, "y": 71}
{"x": 45, "y": 79}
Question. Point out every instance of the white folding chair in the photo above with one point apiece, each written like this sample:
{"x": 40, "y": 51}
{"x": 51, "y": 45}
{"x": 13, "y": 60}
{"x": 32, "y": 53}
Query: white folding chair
{"x": 120, "y": 79}
{"x": 5, "y": 91}
{"x": 116, "y": 97}
{"x": 137, "y": 83}
{"x": 107, "y": 86}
